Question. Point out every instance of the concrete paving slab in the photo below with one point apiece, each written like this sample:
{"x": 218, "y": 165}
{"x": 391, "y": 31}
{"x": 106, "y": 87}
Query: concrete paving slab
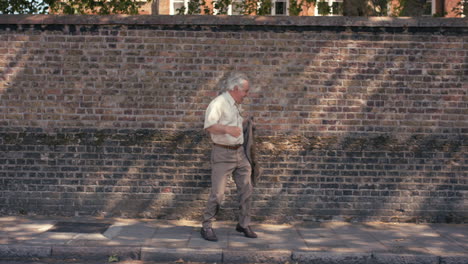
{"x": 21, "y": 229}
{"x": 28, "y": 227}
{"x": 196, "y": 240}
{"x": 417, "y": 239}
{"x": 113, "y": 231}
{"x": 441, "y": 247}
{"x": 170, "y": 235}
{"x": 281, "y": 237}
{"x": 356, "y": 237}
{"x": 24, "y": 224}
{"x": 237, "y": 242}
{"x": 95, "y": 240}
{"x": 402, "y": 238}
{"x": 7, "y": 241}
{"x": 91, "y": 237}
{"x": 98, "y": 243}
{"x": 319, "y": 237}
{"x": 457, "y": 233}
{"x": 133, "y": 234}
{"x": 52, "y": 238}
{"x": 269, "y": 237}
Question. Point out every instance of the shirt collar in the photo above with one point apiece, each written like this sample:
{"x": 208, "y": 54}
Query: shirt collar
{"x": 229, "y": 98}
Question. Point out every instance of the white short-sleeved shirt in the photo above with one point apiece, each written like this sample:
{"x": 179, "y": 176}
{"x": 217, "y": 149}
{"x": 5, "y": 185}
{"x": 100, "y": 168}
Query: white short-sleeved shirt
{"x": 224, "y": 110}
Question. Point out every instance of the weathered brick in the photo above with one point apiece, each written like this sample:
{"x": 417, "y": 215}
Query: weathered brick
{"x": 358, "y": 124}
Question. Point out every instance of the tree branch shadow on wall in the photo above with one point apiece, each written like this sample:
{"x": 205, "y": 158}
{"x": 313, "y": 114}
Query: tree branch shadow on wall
{"x": 53, "y": 138}
{"x": 404, "y": 173}
{"x": 150, "y": 187}
{"x": 282, "y": 182}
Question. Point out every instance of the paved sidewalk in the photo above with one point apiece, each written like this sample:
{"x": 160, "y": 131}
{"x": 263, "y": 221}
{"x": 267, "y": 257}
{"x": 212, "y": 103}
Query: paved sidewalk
{"x": 158, "y": 240}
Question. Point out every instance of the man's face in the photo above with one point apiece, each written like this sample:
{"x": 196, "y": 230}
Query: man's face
{"x": 241, "y": 91}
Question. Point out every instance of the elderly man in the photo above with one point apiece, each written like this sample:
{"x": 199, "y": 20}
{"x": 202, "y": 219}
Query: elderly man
{"x": 223, "y": 121}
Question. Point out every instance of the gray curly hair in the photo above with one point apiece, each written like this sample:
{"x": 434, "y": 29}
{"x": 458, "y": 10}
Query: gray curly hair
{"x": 235, "y": 79}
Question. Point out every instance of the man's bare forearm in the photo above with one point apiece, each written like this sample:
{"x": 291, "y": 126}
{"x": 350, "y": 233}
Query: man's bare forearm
{"x": 218, "y": 129}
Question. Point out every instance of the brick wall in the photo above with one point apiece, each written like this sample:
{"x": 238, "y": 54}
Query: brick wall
{"x": 357, "y": 118}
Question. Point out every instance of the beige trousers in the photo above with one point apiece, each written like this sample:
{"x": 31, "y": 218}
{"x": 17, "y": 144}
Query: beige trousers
{"x": 226, "y": 162}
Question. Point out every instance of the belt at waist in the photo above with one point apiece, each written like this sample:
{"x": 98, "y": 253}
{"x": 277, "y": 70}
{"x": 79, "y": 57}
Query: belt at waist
{"x": 234, "y": 147}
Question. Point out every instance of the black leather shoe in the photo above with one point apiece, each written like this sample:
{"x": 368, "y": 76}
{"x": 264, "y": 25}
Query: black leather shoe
{"x": 247, "y": 231}
{"x": 208, "y": 234}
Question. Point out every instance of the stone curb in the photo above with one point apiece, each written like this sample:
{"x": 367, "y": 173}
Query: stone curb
{"x": 263, "y": 256}
{"x": 331, "y": 257}
{"x": 374, "y": 258}
{"x": 225, "y": 256}
{"x": 453, "y": 260}
{"x": 22, "y": 251}
{"x": 80, "y": 252}
{"x": 189, "y": 254}
{"x": 403, "y": 259}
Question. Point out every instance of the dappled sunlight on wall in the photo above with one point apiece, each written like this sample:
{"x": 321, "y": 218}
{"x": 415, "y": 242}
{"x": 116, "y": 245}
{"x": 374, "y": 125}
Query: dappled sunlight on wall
{"x": 356, "y": 119}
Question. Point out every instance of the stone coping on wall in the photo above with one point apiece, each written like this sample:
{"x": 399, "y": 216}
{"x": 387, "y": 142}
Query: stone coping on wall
{"x": 233, "y": 20}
